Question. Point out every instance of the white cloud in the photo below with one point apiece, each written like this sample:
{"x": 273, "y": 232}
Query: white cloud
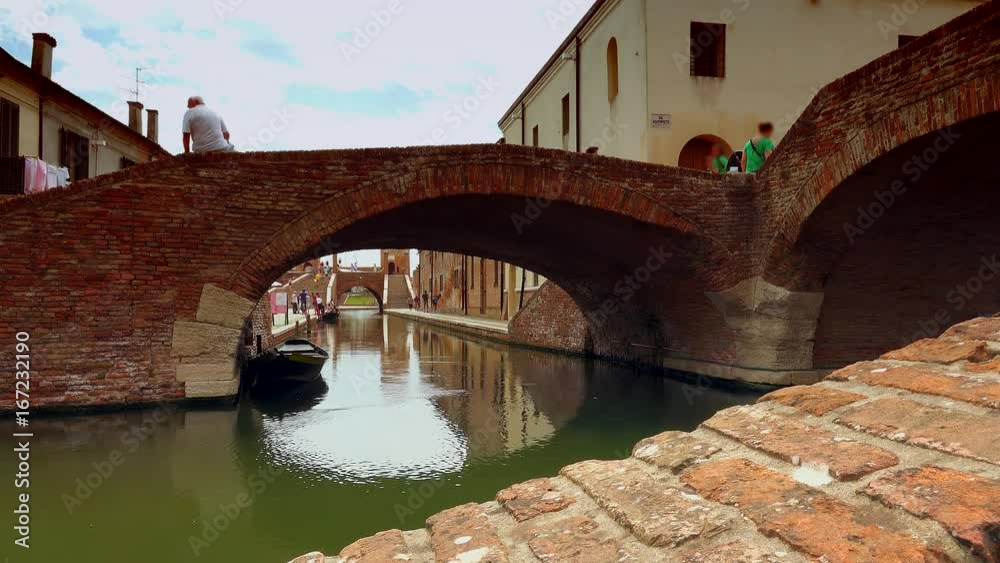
{"x": 244, "y": 62}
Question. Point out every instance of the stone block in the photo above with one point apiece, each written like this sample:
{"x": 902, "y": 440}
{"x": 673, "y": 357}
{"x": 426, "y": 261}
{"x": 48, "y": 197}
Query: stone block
{"x": 195, "y": 342}
{"x": 203, "y": 373}
{"x": 211, "y": 389}
{"x": 224, "y": 308}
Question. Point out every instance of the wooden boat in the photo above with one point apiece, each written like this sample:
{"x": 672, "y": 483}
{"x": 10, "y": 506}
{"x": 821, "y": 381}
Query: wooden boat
{"x": 294, "y": 361}
{"x": 331, "y": 315}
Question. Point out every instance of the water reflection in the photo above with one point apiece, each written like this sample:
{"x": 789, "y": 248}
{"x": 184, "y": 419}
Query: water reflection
{"x": 402, "y": 409}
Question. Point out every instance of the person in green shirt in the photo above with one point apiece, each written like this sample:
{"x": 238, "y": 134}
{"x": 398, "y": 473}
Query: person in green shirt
{"x": 758, "y": 149}
{"x": 719, "y": 162}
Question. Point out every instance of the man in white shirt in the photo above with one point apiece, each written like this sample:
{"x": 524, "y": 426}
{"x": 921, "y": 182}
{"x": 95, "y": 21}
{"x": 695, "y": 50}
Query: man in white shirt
{"x": 206, "y": 127}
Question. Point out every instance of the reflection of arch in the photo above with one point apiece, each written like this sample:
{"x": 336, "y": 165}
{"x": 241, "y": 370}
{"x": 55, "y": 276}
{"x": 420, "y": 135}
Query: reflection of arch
{"x": 612, "y": 69}
{"x": 695, "y": 153}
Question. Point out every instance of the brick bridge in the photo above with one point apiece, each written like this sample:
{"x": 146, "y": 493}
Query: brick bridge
{"x": 875, "y": 222}
{"x": 347, "y": 280}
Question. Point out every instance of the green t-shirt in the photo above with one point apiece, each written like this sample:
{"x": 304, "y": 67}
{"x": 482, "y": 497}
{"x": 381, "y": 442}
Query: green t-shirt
{"x": 754, "y": 160}
{"x": 721, "y": 164}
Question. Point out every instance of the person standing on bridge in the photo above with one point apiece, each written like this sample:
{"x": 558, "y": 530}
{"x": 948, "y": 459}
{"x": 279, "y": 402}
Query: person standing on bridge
{"x": 205, "y": 127}
{"x": 758, "y": 149}
{"x": 718, "y": 161}
{"x": 426, "y": 301}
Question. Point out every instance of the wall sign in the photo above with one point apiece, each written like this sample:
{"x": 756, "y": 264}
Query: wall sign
{"x": 661, "y": 121}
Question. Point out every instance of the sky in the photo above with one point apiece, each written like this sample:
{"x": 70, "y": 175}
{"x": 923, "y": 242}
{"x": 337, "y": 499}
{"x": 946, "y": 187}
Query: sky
{"x": 303, "y": 75}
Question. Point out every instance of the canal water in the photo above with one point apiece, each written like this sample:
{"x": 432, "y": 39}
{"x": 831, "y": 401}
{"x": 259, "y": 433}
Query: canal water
{"x": 409, "y": 420}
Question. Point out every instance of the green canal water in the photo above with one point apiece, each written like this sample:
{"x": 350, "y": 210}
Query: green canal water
{"x": 409, "y": 421}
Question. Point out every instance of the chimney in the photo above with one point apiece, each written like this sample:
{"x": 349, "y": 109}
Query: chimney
{"x": 135, "y": 116}
{"x": 153, "y": 125}
{"x": 41, "y": 54}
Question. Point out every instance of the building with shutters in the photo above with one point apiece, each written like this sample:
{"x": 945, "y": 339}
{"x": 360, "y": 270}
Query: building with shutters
{"x": 41, "y": 119}
{"x": 663, "y": 81}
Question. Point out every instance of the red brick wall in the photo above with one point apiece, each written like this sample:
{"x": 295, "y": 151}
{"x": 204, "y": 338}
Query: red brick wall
{"x": 258, "y": 329}
{"x": 551, "y": 319}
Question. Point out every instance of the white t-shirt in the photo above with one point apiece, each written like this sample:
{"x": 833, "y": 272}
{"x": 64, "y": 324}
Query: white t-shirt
{"x": 206, "y": 128}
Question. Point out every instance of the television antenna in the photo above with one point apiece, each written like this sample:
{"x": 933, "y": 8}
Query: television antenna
{"x": 138, "y": 82}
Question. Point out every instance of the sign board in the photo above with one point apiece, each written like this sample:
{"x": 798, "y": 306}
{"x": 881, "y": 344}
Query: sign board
{"x": 661, "y": 121}
{"x": 279, "y": 303}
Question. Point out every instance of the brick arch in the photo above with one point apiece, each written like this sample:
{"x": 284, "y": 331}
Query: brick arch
{"x": 536, "y": 180}
{"x": 588, "y": 193}
{"x": 842, "y": 133}
{"x": 376, "y": 294}
{"x": 879, "y": 141}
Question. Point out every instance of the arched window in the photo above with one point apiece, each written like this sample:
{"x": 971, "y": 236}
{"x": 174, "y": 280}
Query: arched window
{"x": 612, "y": 69}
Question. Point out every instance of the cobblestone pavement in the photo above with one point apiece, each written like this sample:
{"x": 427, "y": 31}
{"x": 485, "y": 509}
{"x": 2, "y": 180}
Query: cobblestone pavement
{"x": 895, "y": 460}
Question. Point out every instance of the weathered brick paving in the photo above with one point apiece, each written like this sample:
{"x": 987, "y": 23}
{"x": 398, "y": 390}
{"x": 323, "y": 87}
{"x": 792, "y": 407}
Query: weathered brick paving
{"x": 894, "y": 460}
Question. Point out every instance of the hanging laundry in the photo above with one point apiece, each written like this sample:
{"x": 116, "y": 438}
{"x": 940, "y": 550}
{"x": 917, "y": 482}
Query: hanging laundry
{"x": 58, "y": 176}
{"x": 35, "y": 176}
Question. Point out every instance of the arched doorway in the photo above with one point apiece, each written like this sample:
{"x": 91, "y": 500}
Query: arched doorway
{"x": 392, "y": 268}
{"x": 696, "y": 152}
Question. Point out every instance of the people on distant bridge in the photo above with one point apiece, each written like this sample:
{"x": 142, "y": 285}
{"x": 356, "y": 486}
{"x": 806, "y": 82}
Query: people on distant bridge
{"x": 426, "y": 301}
{"x": 758, "y": 149}
{"x": 205, "y": 128}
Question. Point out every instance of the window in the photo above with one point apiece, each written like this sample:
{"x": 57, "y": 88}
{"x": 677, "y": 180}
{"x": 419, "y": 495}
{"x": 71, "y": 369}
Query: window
{"x": 534, "y": 136}
{"x": 905, "y": 40}
{"x": 74, "y": 154}
{"x": 472, "y": 280}
{"x": 708, "y": 49}
{"x": 10, "y": 128}
{"x": 455, "y": 278}
{"x": 440, "y": 282}
{"x": 612, "y": 69}
{"x": 496, "y": 273}
{"x": 126, "y": 162}
{"x": 534, "y": 279}
{"x": 565, "y": 115}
